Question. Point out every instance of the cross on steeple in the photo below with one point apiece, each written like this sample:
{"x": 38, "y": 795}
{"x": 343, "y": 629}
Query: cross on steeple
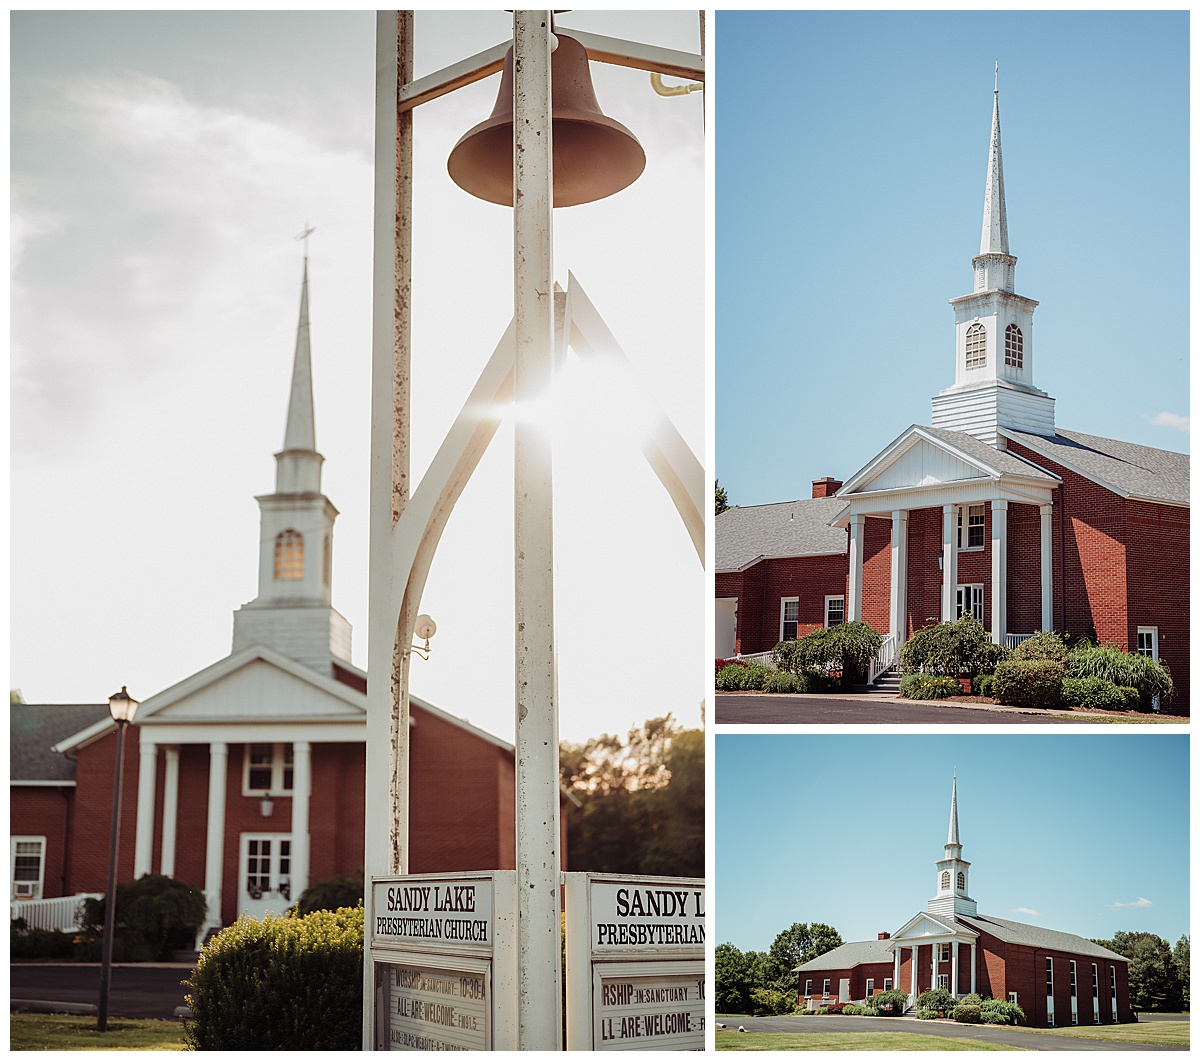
{"x": 308, "y": 231}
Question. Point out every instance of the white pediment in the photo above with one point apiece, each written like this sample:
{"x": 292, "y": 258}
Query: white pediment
{"x": 924, "y": 928}
{"x": 919, "y": 463}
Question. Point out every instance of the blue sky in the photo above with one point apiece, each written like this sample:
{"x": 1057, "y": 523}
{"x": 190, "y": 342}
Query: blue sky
{"x": 851, "y": 151}
{"x": 845, "y": 829}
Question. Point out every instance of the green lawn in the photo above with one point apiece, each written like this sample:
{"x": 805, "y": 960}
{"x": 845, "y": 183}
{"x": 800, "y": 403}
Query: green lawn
{"x": 54, "y": 1031}
{"x": 734, "y": 1040}
{"x": 1128, "y": 720}
{"x": 1156, "y": 1033}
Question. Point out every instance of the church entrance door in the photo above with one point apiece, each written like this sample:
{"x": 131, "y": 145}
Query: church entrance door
{"x": 843, "y": 990}
{"x": 265, "y": 874}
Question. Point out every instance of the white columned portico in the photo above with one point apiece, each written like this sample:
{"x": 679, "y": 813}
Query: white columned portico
{"x": 974, "y": 961}
{"x": 170, "y": 809}
{"x": 854, "y": 590}
{"x": 1047, "y": 512}
{"x": 218, "y": 762}
{"x": 143, "y": 845}
{"x": 954, "y": 967}
{"x": 301, "y": 791}
{"x": 949, "y": 563}
{"x": 898, "y": 597}
{"x": 999, "y": 571}
{"x": 896, "y": 968}
{"x": 913, "y": 967}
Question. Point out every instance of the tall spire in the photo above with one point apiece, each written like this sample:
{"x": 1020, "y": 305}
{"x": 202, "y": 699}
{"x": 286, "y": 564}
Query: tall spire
{"x": 994, "y": 239}
{"x": 952, "y": 838}
{"x": 950, "y": 894}
{"x": 301, "y": 432}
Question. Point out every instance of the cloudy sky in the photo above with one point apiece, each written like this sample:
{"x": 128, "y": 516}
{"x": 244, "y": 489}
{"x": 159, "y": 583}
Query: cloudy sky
{"x": 162, "y": 166}
{"x": 1082, "y": 833}
{"x": 851, "y": 156}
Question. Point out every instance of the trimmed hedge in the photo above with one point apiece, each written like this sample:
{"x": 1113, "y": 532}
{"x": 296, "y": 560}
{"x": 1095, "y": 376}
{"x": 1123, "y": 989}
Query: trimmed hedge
{"x": 929, "y": 686}
{"x": 39, "y": 942}
{"x": 1099, "y": 693}
{"x": 331, "y": 895}
{"x": 782, "y": 682}
{"x": 967, "y": 1014}
{"x": 1029, "y": 683}
{"x": 1045, "y": 644}
{"x": 283, "y": 983}
{"x": 928, "y": 1014}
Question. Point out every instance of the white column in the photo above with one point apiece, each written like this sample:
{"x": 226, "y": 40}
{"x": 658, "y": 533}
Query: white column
{"x": 214, "y": 850}
{"x": 854, "y": 590}
{"x": 537, "y": 811}
{"x": 899, "y": 589}
{"x": 949, "y": 563}
{"x": 999, "y": 571}
{"x": 143, "y": 845}
{"x": 1047, "y": 567}
{"x": 954, "y": 967}
{"x": 914, "y": 972}
{"x": 974, "y": 962}
{"x": 896, "y": 969}
{"x": 301, "y": 790}
{"x": 170, "y": 810}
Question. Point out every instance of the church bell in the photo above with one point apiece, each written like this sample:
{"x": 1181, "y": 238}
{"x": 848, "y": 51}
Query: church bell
{"x": 594, "y": 156}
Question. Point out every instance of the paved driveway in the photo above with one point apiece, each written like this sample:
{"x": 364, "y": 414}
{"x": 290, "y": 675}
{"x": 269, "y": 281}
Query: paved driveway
{"x": 868, "y": 708}
{"x": 983, "y": 1032}
{"x": 148, "y": 990}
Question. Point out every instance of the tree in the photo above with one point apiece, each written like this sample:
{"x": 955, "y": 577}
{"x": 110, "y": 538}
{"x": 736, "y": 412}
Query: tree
{"x": 731, "y": 968}
{"x": 952, "y": 648}
{"x": 1182, "y": 957}
{"x": 721, "y": 497}
{"x": 1154, "y": 982}
{"x": 803, "y": 942}
{"x": 847, "y": 647}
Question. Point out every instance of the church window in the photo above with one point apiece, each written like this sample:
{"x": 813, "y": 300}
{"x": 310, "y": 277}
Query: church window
{"x": 289, "y": 555}
{"x": 945, "y": 952}
{"x": 943, "y": 981}
{"x": 976, "y": 346}
{"x": 835, "y": 610}
{"x": 1014, "y": 347}
{"x": 971, "y": 526}
{"x": 945, "y": 879}
{"x": 970, "y": 601}
{"x": 807, "y": 987}
{"x": 1049, "y": 975}
{"x": 870, "y": 986}
{"x": 887, "y": 983}
{"x": 328, "y": 568}
{"x": 962, "y": 882}
{"x": 789, "y": 618}
{"x": 268, "y": 768}
{"x": 27, "y": 865}
{"x": 1074, "y": 991}
{"x": 825, "y": 988}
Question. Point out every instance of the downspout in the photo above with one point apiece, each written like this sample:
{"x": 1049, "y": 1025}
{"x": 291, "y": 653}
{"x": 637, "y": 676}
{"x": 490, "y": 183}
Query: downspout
{"x": 1062, "y": 552}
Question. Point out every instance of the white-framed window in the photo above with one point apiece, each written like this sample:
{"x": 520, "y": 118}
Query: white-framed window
{"x": 1095, "y": 993}
{"x": 1049, "y": 991}
{"x": 835, "y": 609}
{"x": 962, "y": 881}
{"x": 268, "y": 865}
{"x": 1012, "y": 997}
{"x": 1147, "y": 641}
{"x": 887, "y": 983}
{"x": 1112, "y": 982}
{"x": 870, "y": 986}
{"x": 945, "y": 880}
{"x": 267, "y": 768}
{"x": 1014, "y": 347}
{"x": 970, "y": 600}
{"x": 943, "y": 981}
{"x": 289, "y": 555}
{"x": 807, "y": 987}
{"x": 789, "y": 618}
{"x": 825, "y": 988}
{"x": 976, "y": 346}
{"x": 945, "y": 955}
{"x": 971, "y": 527}
{"x": 27, "y": 866}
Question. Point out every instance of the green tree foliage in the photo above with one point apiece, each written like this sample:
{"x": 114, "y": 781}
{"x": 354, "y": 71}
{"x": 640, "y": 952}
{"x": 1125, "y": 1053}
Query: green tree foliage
{"x": 731, "y": 974}
{"x": 956, "y": 648}
{"x": 1154, "y": 981}
{"x": 642, "y": 801}
{"x": 1044, "y": 644}
{"x": 1182, "y": 956}
{"x": 762, "y": 983}
{"x": 847, "y": 647}
{"x": 938, "y": 999}
{"x": 155, "y": 915}
{"x": 803, "y": 942}
{"x": 722, "y": 498}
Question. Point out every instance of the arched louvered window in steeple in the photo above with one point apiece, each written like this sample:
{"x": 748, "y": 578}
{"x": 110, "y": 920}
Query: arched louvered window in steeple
{"x": 289, "y": 555}
{"x": 976, "y": 346}
{"x": 962, "y": 882}
{"x": 945, "y": 879}
{"x": 1014, "y": 347}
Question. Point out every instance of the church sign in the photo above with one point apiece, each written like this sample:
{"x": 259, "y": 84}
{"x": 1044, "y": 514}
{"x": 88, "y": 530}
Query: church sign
{"x": 635, "y": 963}
{"x": 440, "y": 952}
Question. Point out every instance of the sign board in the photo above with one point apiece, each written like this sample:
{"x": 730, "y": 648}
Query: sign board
{"x": 442, "y": 948}
{"x": 635, "y": 962}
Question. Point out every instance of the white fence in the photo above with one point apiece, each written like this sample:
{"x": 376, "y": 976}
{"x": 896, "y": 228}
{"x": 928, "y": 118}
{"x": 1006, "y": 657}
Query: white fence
{"x": 57, "y": 915}
{"x": 1012, "y": 640}
{"x": 884, "y": 659}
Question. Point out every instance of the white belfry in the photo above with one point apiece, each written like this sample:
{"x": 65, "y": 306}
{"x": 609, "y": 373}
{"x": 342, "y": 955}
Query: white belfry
{"x": 952, "y": 871}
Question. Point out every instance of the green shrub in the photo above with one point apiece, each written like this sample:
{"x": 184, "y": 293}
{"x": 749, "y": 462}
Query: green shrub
{"x": 966, "y": 1014}
{"x": 155, "y": 915}
{"x": 1131, "y": 697}
{"x": 952, "y": 648}
{"x": 971, "y": 1000}
{"x": 782, "y": 682}
{"x": 927, "y": 1014}
{"x": 1098, "y": 693}
{"x": 938, "y": 999}
{"x": 929, "y": 686}
{"x": 1045, "y": 644}
{"x": 283, "y": 983}
{"x": 1029, "y": 683}
{"x": 749, "y": 674}
{"x": 1148, "y": 676}
{"x": 330, "y": 895}
{"x": 847, "y": 648}
{"x": 983, "y": 685}
{"x": 851, "y": 1010}
{"x": 999, "y": 1011}
{"x": 39, "y": 942}
{"x": 888, "y": 1003}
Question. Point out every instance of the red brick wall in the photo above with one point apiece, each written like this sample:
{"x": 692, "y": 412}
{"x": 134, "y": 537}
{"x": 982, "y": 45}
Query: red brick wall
{"x": 1024, "y": 568}
{"x": 857, "y": 976}
{"x": 924, "y": 576}
{"x": 1157, "y": 561}
{"x": 336, "y": 811}
{"x": 191, "y": 822}
{"x": 94, "y": 770}
{"x": 764, "y": 585}
{"x": 41, "y": 811}
{"x": 877, "y": 574}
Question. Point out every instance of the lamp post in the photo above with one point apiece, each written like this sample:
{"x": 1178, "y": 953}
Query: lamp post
{"x": 122, "y": 707}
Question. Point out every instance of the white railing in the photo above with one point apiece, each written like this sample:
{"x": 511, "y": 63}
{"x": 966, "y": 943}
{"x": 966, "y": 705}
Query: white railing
{"x": 762, "y": 657}
{"x": 1012, "y": 640}
{"x": 56, "y": 915}
{"x": 884, "y": 659}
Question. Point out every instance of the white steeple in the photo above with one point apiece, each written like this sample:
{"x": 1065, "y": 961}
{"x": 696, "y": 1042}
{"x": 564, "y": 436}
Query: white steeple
{"x": 993, "y": 335}
{"x": 951, "y": 896}
{"x": 292, "y": 612}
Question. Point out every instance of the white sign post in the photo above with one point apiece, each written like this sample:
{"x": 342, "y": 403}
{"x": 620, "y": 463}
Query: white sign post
{"x": 442, "y": 951}
{"x": 635, "y": 962}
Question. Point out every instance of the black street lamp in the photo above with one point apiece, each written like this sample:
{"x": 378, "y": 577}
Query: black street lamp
{"x": 122, "y": 707}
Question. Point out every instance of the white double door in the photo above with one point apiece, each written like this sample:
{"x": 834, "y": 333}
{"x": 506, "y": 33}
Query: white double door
{"x": 265, "y": 874}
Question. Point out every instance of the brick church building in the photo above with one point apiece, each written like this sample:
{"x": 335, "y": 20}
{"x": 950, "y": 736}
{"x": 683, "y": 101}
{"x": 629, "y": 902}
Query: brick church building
{"x": 247, "y": 779}
{"x": 1057, "y": 978}
{"x": 991, "y": 509}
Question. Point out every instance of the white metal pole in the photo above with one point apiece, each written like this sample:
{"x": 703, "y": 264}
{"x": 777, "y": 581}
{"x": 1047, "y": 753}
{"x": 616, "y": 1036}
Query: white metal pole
{"x": 538, "y": 974}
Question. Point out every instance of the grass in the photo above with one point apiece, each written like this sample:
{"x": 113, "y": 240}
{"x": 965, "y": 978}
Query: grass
{"x": 732, "y": 1040}
{"x": 1128, "y": 720}
{"x": 1153, "y": 1033}
{"x": 54, "y": 1031}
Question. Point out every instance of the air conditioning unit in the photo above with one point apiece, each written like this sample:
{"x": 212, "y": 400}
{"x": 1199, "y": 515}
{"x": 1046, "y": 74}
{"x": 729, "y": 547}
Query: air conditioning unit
{"x": 25, "y": 889}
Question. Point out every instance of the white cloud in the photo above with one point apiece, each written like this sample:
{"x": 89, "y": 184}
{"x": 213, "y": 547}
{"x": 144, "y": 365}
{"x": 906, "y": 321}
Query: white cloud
{"x": 1139, "y": 901}
{"x": 1180, "y": 423}
{"x": 1024, "y": 910}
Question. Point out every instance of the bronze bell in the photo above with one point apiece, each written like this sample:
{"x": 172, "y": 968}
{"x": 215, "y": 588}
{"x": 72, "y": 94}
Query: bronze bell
{"x": 594, "y": 156}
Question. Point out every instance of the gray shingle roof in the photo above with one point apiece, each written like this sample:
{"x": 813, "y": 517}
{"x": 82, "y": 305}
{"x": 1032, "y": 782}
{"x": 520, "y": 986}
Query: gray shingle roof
{"x": 1036, "y": 936}
{"x": 1124, "y": 467}
{"x": 848, "y": 955}
{"x": 34, "y": 728}
{"x": 788, "y": 528}
{"x": 1003, "y": 462}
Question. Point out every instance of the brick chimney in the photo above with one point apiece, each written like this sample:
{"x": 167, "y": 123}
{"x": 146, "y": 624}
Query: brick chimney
{"x": 826, "y": 487}
{"x": 885, "y": 935}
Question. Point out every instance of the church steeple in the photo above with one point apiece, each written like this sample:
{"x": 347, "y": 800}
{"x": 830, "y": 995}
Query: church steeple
{"x": 993, "y": 335}
{"x": 951, "y": 896}
{"x": 292, "y": 612}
